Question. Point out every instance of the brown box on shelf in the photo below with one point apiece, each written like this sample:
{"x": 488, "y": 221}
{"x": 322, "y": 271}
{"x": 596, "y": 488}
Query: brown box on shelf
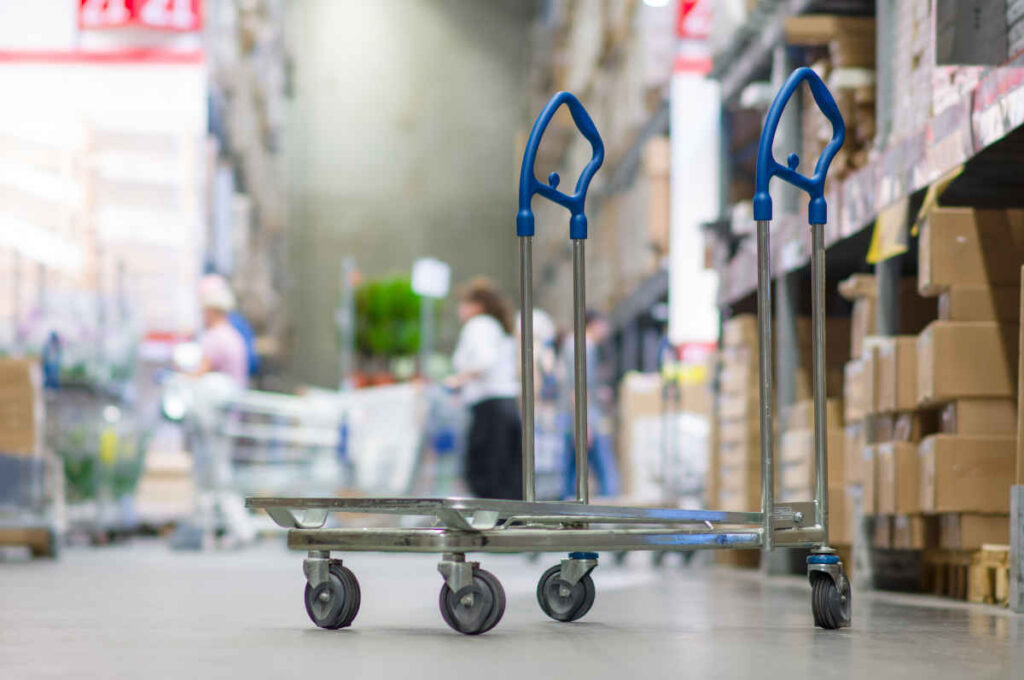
{"x": 897, "y": 480}
{"x": 740, "y": 331}
{"x": 853, "y": 390}
{"x": 885, "y": 479}
{"x": 968, "y": 247}
{"x": 962, "y": 360}
{"x": 820, "y": 29}
{"x": 738, "y": 405}
{"x": 862, "y": 291}
{"x": 869, "y": 480}
{"x": 979, "y": 416}
{"x": 914, "y": 426}
{"x": 966, "y": 474}
{"x": 980, "y": 303}
{"x": 897, "y": 374}
{"x": 840, "y": 516}
{"x": 800, "y": 414}
{"x": 853, "y": 453}
{"x": 969, "y": 531}
{"x": 913, "y": 532}
{"x": 796, "y": 454}
{"x": 881, "y": 538}
{"x": 21, "y": 407}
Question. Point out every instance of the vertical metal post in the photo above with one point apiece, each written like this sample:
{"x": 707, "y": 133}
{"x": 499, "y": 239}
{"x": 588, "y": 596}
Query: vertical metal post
{"x": 526, "y": 359}
{"x": 1017, "y": 548}
{"x": 764, "y": 345}
{"x": 818, "y": 370}
{"x": 579, "y": 323}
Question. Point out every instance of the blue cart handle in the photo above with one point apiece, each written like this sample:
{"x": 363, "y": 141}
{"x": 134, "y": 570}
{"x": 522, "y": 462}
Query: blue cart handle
{"x": 529, "y": 185}
{"x": 767, "y": 167}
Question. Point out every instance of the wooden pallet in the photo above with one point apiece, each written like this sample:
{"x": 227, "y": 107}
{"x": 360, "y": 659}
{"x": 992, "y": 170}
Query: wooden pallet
{"x": 946, "y": 572}
{"x": 39, "y": 540}
{"x": 988, "y": 577}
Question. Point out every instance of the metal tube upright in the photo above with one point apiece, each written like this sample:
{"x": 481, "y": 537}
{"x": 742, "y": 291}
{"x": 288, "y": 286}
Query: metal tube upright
{"x": 526, "y": 361}
{"x": 579, "y": 331}
{"x": 818, "y": 370}
{"x": 764, "y": 347}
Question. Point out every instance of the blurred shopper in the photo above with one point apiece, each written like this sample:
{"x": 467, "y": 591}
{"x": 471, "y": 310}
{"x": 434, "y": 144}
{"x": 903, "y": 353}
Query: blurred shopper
{"x": 485, "y": 372}
{"x": 599, "y": 446}
{"x": 223, "y": 347}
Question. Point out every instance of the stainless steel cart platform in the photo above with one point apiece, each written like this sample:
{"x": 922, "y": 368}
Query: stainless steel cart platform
{"x": 472, "y": 600}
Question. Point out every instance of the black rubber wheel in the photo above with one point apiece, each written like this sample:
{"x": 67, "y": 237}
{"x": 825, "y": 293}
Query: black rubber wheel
{"x": 565, "y": 608}
{"x": 486, "y": 610}
{"x": 830, "y": 606}
{"x": 335, "y": 603}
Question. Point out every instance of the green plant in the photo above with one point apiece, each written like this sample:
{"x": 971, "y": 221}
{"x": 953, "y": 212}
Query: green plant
{"x": 387, "y": 318}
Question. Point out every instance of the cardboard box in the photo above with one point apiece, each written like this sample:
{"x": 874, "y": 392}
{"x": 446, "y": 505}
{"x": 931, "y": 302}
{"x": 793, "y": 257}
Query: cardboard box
{"x": 853, "y": 453}
{"x": 968, "y": 247}
{"x": 966, "y": 474}
{"x": 885, "y": 479}
{"x": 739, "y": 406}
{"x": 820, "y": 29}
{"x": 914, "y": 426}
{"x": 881, "y": 538}
{"x": 970, "y": 532}
{"x": 862, "y": 324}
{"x": 897, "y": 373}
{"x": 897, "y": 478}
{"x": 980, "y": 303}
{"x": 963, "y": 360}
{"x": 796, "y": 455}
{"x": 979, "y": 416}
{"x": 800, "y": 414}
{"x": 869, "y": 481}
{"x": 840, "y": 516}
{"x": 740, "y": 331}
{"x": 853, "y": 391}
{"x": 913, "y": 532}
{"x": 21, "y": 407}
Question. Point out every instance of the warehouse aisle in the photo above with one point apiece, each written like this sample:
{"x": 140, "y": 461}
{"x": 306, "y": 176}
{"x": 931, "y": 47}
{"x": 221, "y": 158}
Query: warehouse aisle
{"x": 142, "y": 611}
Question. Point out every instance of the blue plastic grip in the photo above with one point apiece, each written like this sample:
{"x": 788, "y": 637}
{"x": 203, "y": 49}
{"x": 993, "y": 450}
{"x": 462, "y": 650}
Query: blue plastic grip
{"x": 529, "y": 185}
{"x": 767, "y": 167}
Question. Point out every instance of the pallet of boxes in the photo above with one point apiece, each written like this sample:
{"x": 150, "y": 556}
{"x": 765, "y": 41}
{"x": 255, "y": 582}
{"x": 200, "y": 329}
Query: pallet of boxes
{"x": 967, "y": 363}
{"x": 883, "y": 428}
{"x": 938, "y": 410}
{"x": 736, "y": 467}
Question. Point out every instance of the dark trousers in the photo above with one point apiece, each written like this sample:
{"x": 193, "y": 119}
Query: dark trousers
{"x": 494, "y": 459}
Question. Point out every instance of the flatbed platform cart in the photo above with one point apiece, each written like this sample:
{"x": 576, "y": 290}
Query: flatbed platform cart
{"x": 472, "y": 600}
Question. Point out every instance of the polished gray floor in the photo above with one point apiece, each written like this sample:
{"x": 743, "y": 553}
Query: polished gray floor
{"x": 142, "y": 611}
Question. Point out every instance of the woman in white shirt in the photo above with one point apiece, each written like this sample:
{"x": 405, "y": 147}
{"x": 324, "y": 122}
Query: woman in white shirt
{"x": 485, "y": 372}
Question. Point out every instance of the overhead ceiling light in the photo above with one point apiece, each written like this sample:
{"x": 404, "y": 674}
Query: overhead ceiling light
{"x": 657, "y": 3}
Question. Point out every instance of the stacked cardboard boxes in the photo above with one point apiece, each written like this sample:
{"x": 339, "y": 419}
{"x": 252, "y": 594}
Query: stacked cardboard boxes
{"x": 882, "y": 421}
{"x": 739, "y": 431}
{"x": 846, "y": 61}
{"x": 967, "y": 371}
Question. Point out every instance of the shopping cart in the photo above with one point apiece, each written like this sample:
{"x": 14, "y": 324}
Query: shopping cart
{"x": 472, "y": 600}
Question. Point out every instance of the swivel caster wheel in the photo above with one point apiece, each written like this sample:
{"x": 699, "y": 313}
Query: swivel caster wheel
{"x": 831, "y": 598}
{"x": 475, "y": 608}
{"x": 830, "y": 604}
{"x": 334, "y": 603}
{"x": 564, "y": 602}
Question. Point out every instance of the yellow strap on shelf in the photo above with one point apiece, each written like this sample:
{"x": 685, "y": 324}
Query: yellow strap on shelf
{"x": 932, "y": 196}
{"x": 889, "y": 238}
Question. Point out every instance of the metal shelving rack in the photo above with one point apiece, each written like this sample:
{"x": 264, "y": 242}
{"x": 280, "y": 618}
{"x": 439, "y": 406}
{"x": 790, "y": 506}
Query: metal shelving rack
{"x": 982, "y": 131}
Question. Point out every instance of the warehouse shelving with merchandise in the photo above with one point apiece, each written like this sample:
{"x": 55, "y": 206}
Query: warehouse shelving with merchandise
{"x": 919, "y": 201}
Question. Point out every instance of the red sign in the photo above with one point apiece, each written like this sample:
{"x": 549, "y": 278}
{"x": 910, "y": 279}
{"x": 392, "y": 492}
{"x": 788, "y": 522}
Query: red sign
{"x": 162, "y": 15}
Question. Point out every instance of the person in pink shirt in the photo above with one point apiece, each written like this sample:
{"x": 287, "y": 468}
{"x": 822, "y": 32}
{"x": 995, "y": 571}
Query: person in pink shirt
{"x": 223, "y": 347}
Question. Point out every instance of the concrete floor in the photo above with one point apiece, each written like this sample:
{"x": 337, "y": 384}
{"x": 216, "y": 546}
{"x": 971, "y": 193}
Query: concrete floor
{"x": 141, "y": 611}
